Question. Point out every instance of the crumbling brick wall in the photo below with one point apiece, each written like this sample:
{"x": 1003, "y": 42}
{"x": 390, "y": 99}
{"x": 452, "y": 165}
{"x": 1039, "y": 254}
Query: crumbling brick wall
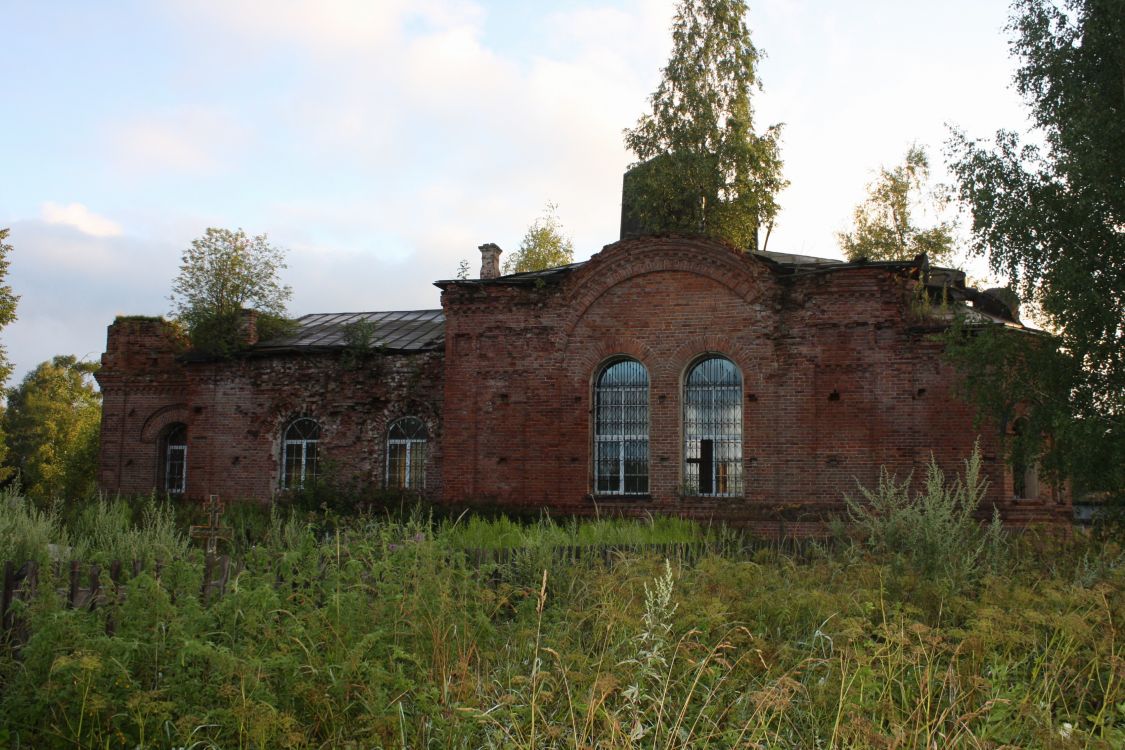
{"x": 235, "y": 411}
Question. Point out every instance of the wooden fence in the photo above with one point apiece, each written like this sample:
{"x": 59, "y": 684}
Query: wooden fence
{"x": 85, "y": 588}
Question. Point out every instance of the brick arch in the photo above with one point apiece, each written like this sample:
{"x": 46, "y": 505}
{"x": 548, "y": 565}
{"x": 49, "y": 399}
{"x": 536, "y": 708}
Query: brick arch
{"x": 159, "y": 420}
{"x": 679, "y": 363}
{"x": 590, "y": 359}
{"x": 742, "y": 274}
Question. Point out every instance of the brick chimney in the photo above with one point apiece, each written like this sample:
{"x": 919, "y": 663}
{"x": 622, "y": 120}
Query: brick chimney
{"x": 490, "y": 260}
{"x": 248, "y": 327}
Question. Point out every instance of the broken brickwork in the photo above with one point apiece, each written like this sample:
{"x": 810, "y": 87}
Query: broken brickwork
{"x": 839, "y": 374}
{"x": 236, "y": 411}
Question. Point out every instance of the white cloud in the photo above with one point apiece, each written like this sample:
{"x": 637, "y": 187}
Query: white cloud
{"x": 196, "y": 141}
{"x": 331, "y": 28}
{"x": 81, "y": 218}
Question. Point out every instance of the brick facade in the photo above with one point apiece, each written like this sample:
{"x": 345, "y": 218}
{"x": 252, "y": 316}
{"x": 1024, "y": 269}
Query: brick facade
{"x": 840, "y": 375}
{"x": 236, "y": 411}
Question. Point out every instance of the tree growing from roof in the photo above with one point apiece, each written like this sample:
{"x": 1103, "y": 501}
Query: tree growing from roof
{"x": 52, "y": 423}
{"x": 221, "y": 274}
{"x": 544, "y": 246}
{"x": 702, "y": 169}
{"x": 1052, "y": 219}
{"x": 8, "y": 302}
{"x": 884, "y": 225}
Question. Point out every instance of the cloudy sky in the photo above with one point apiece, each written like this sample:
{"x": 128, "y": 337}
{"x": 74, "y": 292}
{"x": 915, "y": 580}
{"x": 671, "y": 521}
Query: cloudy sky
{"x": 381, "y": 141}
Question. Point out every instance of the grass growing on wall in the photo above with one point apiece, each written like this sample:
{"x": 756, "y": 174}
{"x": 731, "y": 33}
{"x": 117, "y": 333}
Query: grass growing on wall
{"x": 382, "y": 633}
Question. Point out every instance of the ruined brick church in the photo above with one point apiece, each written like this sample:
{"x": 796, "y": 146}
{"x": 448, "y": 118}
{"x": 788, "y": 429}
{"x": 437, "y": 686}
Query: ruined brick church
{"x": 665, "y": 374}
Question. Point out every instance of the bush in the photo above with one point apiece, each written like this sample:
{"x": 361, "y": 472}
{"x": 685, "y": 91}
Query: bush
{"x": 936, "y": 531}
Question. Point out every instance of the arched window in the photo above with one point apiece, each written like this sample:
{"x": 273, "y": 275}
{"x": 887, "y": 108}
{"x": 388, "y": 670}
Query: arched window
{"x": 621, "y": 429}
{"x": 172, "y": 468}
{"x": 406, "y": 454}
{"x": 1025, "y": 469}
{"x": 713, "y": 428}
{"x": 299, "y": 452}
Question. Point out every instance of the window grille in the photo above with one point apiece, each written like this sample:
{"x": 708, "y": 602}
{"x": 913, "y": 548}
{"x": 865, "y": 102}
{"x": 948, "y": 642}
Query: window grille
{"x": 713, "y": 428}
{"x": 406, "y": 454}
{"x": 621, "y": 429}
{"x": 300, "y": 453}
{"x": 174, "y": 459}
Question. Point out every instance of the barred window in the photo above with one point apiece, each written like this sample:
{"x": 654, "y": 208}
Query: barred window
{"x": 406, "y": 454}
{"x": 713, "y": 428}
{"x": 621, "y": 429}
{"x": 300, "y": 453}
{"x": 173, "y": 459}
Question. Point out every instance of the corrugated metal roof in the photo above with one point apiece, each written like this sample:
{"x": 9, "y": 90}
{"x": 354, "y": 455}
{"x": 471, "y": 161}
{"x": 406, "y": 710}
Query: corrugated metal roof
{"x": 405, "y": 330}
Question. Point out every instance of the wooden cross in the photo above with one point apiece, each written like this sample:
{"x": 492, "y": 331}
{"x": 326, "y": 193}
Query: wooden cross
{"x": 212, "y": 532}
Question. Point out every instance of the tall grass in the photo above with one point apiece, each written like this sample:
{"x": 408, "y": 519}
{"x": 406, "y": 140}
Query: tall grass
{"x": 28, "y": 532}
{"x": 383, "y": 634}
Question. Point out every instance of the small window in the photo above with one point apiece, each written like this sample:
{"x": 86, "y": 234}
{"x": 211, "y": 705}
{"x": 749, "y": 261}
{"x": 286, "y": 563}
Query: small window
{"x": 173, "y": 459}
{"x": 621, "y": 429}
{"x": 1025, "y": 469}
{"x": 300, "y": 453}
{"x": 713, "y": 428}
{"x": 406, "y": 454}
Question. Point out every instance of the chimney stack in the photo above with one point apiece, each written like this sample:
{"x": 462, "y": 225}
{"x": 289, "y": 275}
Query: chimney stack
{"x": 490, "y": 260}
{"x": 247, "y": 327}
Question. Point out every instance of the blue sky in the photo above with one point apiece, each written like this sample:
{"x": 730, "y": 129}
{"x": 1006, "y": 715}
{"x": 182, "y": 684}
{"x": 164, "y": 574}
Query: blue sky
{"x": 381, "y": 141}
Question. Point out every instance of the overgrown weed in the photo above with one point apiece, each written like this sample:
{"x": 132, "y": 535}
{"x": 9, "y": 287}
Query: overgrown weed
{"x": 384, "y": 632}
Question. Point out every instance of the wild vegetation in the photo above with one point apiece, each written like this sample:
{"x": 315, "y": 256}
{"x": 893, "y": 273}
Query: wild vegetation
{"x": 384, "y": 631}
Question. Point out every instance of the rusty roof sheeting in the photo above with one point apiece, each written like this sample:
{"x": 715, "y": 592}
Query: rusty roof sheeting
{"x": 403, "y": 331}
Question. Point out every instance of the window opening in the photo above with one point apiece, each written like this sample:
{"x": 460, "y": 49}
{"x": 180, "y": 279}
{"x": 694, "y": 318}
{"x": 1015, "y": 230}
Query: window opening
{"x": 173, "y": 459}
{"x": 300, "y": 453}
{"x": 713, "y": 428}
{"x": 1025, "y": 469}
{"x": 621, "y": 429}
{"x": 406, "y": 454}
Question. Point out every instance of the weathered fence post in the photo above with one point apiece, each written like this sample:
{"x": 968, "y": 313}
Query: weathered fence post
{"x": 72, "y": 590}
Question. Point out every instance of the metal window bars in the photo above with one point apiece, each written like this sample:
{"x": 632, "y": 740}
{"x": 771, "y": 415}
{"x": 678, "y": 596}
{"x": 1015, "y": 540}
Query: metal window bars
{"x": 713, "y": 428}
{"x": 300, "y": 452}
{"x": 621, "y": 429}
{"x": 175, "y": 460}
{"x": 406, "y": 454}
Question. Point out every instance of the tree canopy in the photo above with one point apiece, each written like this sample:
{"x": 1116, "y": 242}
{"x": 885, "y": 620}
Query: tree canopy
{"x": 52, "y": 423}
{"x": 884, "y": 226}
{"x": 701, "y": 168}
{"x": 544, "y": 245}
{"x": 8, "y": 302}
{"x": 1052, "y": 218}
{"x": 221, "y": 274}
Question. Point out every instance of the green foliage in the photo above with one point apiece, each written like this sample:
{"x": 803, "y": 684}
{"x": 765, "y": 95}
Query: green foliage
{"x": 8, "y": 302}
{"x": 383, "y": 634}
{"x": 702, "y": 169}
{"x": 27, "y": 531}
{"x": 108, "y": 532}
{"x": 883, "y": 225}
{"x": 934, "y": 531}
{"x": 544, "y": 246}
{"x": 53, "y": 424}
{"x": 1053, "y": 220}
{"x": 222, "y": 274}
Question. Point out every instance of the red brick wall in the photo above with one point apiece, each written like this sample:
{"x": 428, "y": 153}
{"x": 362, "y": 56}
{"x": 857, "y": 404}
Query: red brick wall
{"x": 840, "y": 376}
{"x": 838, "y": 380}
{"x": 235, "y": 412}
